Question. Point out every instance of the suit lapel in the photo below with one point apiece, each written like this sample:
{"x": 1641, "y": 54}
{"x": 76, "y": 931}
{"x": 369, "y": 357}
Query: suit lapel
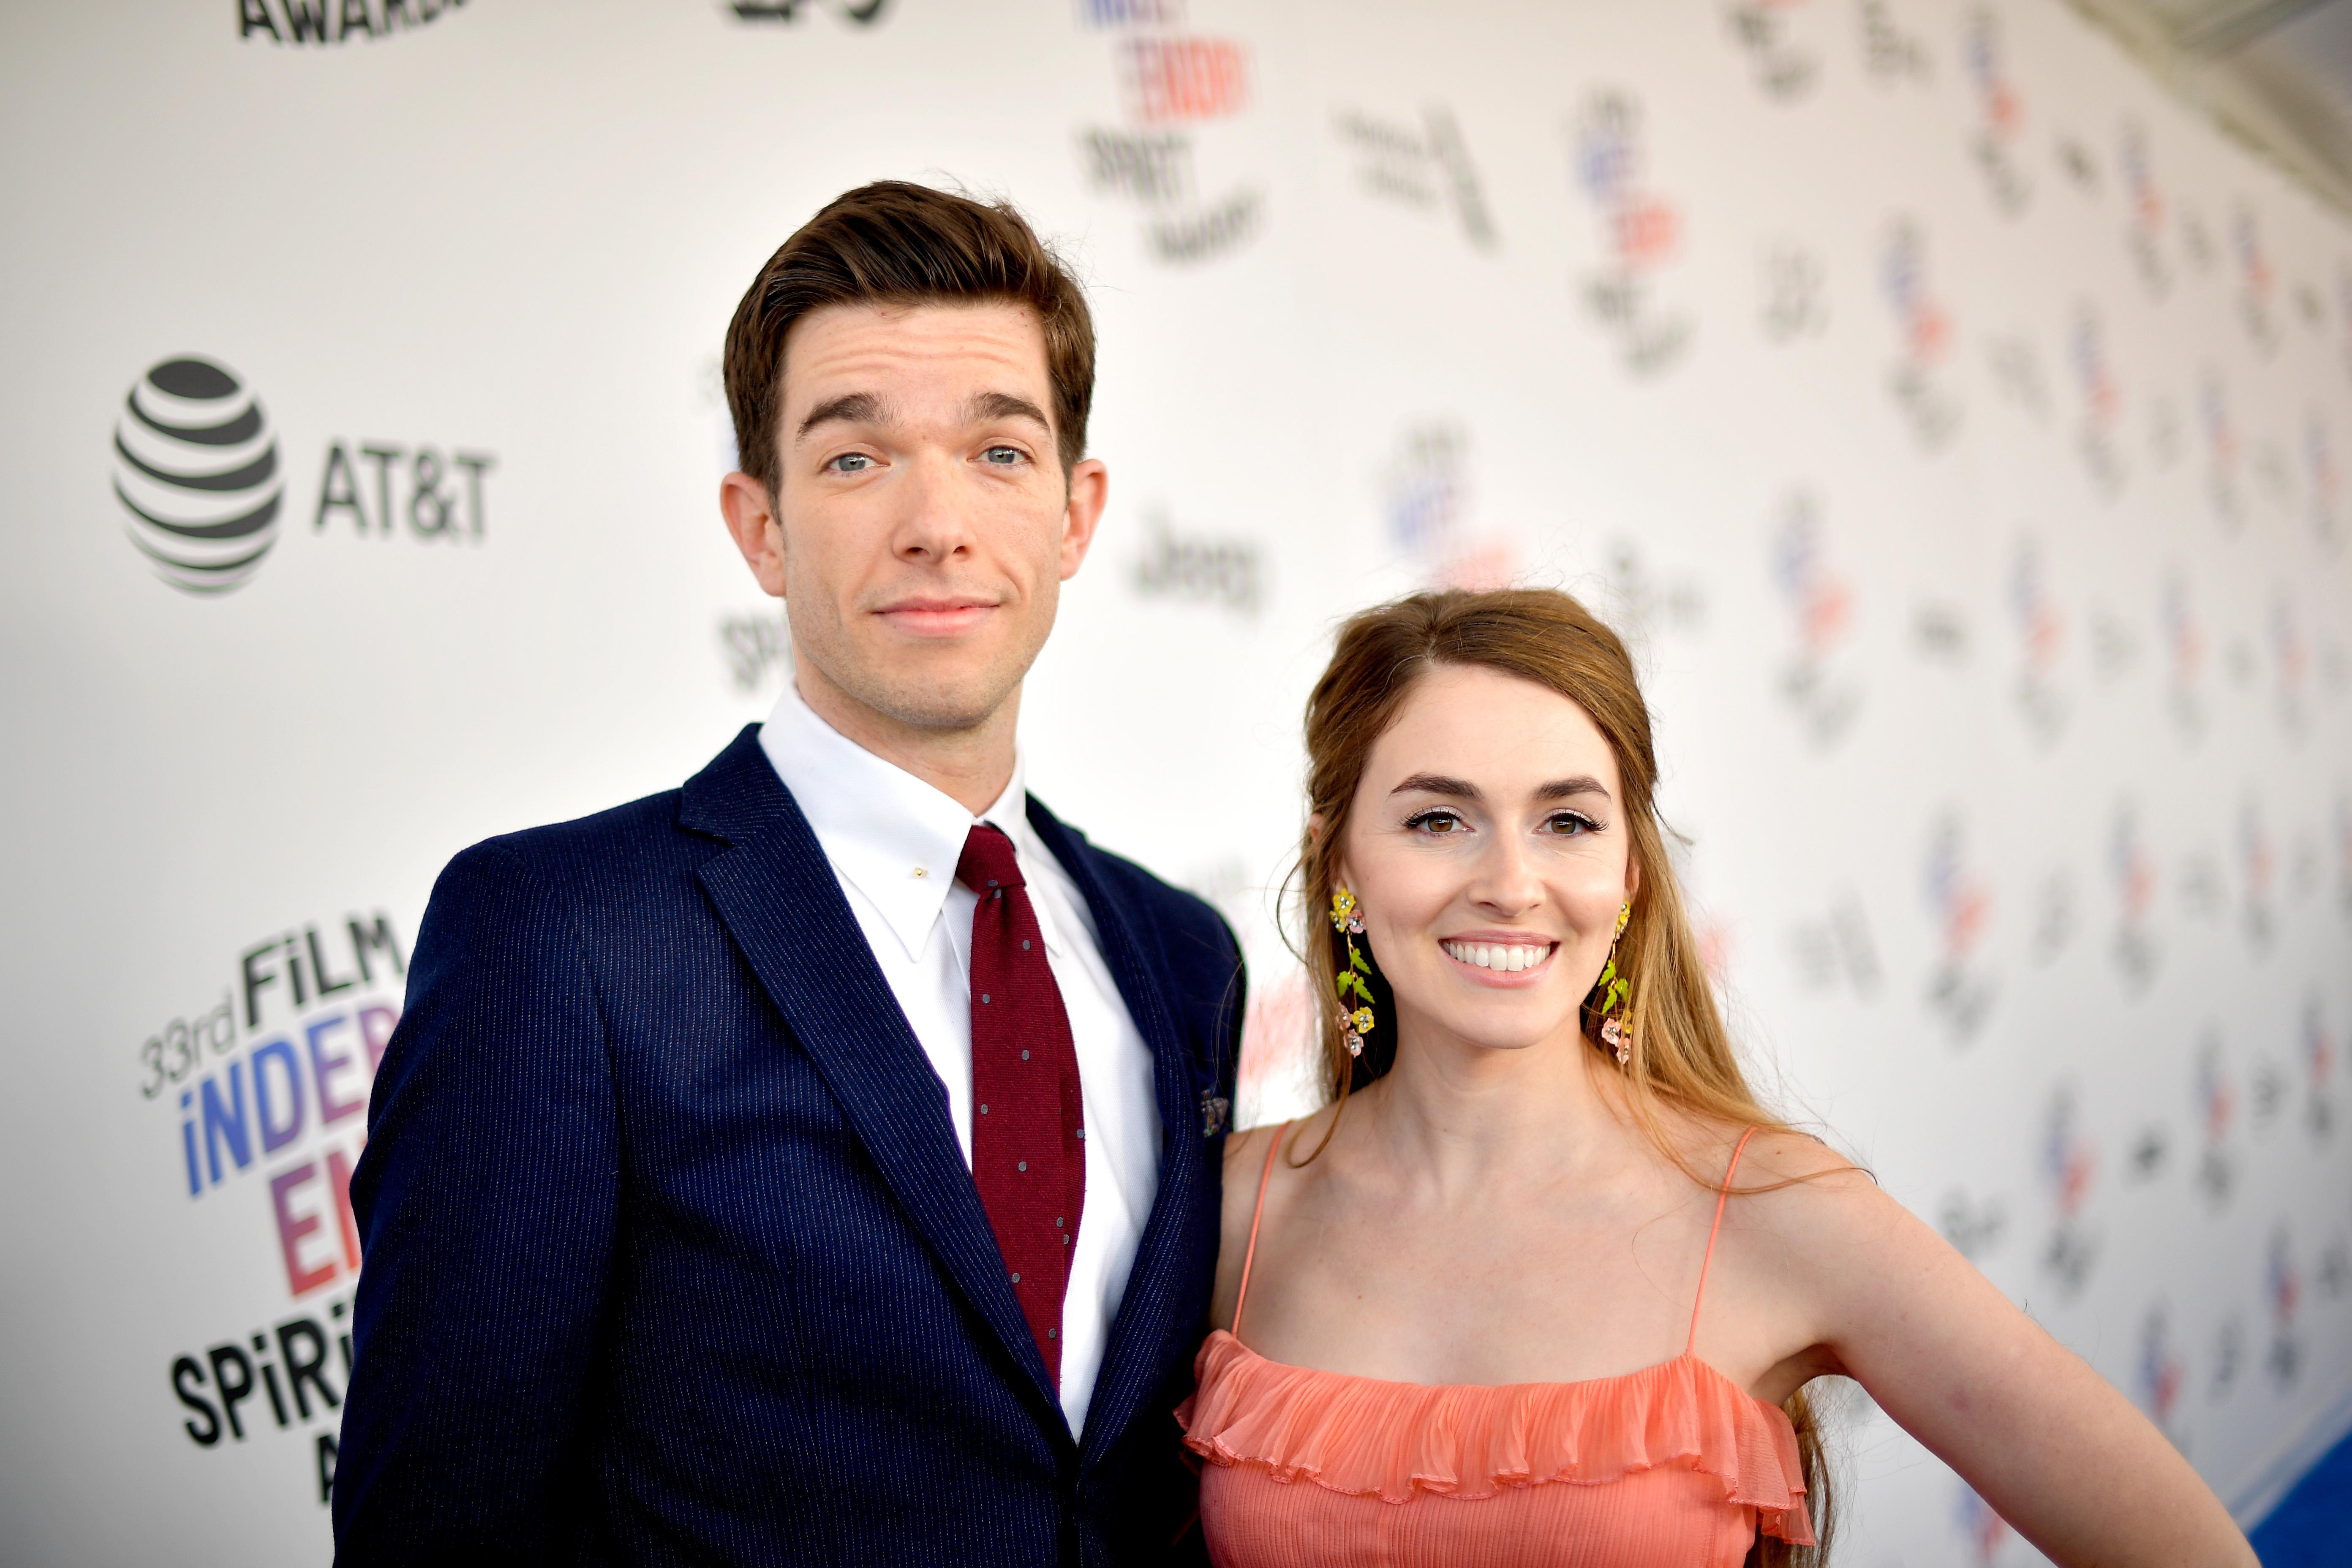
{"x": 779, "y": 897}
{"x": 1152, "y": 1308}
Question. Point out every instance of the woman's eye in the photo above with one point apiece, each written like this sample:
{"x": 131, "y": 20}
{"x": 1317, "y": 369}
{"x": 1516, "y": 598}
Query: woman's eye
{"x": 1437, "y": 822}
{"x": 1567, "y": 824}
{"x": 850, "y": 463}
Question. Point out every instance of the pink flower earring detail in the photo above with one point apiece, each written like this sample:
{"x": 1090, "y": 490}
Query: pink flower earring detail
{"x": 1348, "y": 920}
{"x": 1616, "y": 996}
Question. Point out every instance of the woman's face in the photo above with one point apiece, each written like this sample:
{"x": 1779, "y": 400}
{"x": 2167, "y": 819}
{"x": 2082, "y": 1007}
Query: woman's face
{"x": 1486, "y": 847}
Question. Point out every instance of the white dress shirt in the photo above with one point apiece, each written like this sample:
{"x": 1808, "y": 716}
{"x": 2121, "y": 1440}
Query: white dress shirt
{"x": 894, "y": 842}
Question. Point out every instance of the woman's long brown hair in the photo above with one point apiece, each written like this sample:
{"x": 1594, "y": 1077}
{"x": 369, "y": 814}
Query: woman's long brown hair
{"x": 1683, "y": 1063}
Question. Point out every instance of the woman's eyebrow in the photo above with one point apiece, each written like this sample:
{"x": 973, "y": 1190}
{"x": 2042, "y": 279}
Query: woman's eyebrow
{"x": 1562, "y": 789}
{"x": 1438, "y": 783}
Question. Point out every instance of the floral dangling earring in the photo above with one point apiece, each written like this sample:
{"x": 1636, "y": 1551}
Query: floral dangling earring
{"x": 1616, "y": 1011}
{"x": 1348, "y": 920}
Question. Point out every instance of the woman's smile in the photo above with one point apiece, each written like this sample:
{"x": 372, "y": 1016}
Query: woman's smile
{"x": 1498, "y": 957}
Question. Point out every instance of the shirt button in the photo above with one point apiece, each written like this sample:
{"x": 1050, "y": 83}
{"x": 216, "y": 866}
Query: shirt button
{"x": 983, "y": 1111}
{"x": 1024, "y": 1165}
{"x": 1053, "y": 1333}
{"x": 1024, "y": 1056}
{"x": 1016, "y": 1278}
{"x": 1025, "y": 944}
{"x": 983, "y": 999}
{"x": 1082, "y": 1131}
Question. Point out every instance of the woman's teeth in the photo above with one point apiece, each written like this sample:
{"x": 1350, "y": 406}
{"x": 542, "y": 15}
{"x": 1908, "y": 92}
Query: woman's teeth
{"x": 1508, "y": 957}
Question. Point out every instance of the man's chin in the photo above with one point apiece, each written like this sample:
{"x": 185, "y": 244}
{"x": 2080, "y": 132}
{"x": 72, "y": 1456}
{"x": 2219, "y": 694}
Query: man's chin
{"x": 950, "y": 701}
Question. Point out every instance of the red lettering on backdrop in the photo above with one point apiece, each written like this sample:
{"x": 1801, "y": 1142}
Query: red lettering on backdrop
{"x": 339, "y": 1177}
{"x": 323, "y": 1067}
{"x": 1186, "y": 79}
{"x": 293, "y": 1229}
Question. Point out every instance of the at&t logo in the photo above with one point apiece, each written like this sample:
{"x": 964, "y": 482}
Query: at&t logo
{"x": 195, "y": 467}
{"x": 196, "y": 470}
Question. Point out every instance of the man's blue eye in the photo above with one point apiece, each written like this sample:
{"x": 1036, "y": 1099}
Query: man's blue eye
{"x": 1002, "y": 456}
{"x": 853, "y": 462}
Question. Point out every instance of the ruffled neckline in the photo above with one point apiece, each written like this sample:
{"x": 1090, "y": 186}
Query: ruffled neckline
{"x": 1370, "y": 1438}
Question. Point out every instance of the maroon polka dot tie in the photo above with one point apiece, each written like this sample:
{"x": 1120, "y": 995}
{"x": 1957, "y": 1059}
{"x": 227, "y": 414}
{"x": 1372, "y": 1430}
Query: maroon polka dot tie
{"x": 1028, "y": 1128}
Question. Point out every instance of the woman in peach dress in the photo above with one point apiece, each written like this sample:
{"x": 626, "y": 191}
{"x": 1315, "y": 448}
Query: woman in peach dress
{"x": 1544, "y": 1283}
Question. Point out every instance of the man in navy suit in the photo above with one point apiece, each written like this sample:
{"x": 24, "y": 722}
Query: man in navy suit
{"x": 819, "y": 1163}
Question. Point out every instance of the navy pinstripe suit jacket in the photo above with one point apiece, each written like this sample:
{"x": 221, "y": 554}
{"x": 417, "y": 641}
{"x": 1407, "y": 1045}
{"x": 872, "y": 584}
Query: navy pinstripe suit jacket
{"x": 671, "y": 1254}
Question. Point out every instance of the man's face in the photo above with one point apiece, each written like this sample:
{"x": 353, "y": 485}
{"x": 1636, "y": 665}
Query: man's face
{"x": 921, "y": 526}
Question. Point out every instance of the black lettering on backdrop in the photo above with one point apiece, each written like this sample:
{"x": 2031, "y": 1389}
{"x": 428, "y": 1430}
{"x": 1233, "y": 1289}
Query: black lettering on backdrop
{"x": 252, "y": 15}
{"x": 306, "y": 1368}
{"x": 326, "y": 1467}
{"x": 301, "y": 1344}
{"x": 435, "y": 509}
{"x": 307, "y": 19}
{"x": 339, "y": 465}
{"x": 328, "y": 984}
{"x": 383, "y": 457}
{"x": 231, "y": 1394}
{"x": 380, "y": 937}
{"x": 254, "y": 982}
{"x": 476, "y": 465}
{"x": 428, "y": 509}
{"x": 182, "y": 1370}
{"x": 270, "y": 1378}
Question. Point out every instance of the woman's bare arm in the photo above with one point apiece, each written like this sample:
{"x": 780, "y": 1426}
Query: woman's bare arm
{"x": 2056, "y": 1450}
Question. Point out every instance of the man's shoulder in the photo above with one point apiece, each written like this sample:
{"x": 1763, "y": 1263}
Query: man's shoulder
{"x": 1152, "y": 900}
{"x": 609, "y": 855}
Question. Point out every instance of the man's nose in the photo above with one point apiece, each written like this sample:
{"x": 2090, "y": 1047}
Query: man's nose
{"x": 932, "y": 518}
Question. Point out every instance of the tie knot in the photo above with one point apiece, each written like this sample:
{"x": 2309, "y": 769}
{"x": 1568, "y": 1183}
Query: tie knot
{"x": 988, "y": 862}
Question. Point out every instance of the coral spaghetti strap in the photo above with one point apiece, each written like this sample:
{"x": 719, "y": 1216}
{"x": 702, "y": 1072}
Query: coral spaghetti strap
{"x": 1258, "y": 1214}
{"x": 1669, "y": 1466}
{"x": 1722, "y": 1196}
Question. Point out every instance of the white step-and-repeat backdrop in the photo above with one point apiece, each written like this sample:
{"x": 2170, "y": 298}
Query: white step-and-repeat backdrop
{"x": 1959, "y": 427}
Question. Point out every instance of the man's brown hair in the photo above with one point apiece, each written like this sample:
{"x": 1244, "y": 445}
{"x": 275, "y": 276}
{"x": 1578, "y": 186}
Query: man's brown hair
{"x": 892, "y": 243}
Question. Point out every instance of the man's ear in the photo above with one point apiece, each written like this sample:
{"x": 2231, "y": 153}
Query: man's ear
{"x": 752, "y": 520}
{"x": 1090, "y": 488}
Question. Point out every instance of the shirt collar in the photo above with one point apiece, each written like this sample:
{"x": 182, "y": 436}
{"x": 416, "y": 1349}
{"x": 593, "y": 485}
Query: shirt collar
{"x": 896, "y": 838}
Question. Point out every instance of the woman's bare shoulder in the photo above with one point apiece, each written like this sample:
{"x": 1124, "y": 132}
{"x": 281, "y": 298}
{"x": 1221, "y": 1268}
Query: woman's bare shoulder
{"x": 1781, "y": 1171}
{"x": 1245, "y": 1152}
{"x": 1820, "y": 1201}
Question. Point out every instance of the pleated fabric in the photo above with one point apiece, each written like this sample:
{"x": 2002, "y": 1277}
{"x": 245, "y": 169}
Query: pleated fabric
{"x": 1670, "y": 1467}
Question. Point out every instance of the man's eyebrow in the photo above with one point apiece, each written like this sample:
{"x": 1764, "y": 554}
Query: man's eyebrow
{"x": 987, "y": 406}
{"x": 852, "y": 408}
{"x": 1563, "y": 789}
{"x": 1438, "y": 783}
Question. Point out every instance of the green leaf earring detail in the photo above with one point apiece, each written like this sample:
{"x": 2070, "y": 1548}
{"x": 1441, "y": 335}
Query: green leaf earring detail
{"x": 1348, "y": 920}
{"x": 1616, "y": 993}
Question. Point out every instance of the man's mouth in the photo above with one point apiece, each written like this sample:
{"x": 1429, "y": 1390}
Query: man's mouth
{"x": 943, "y": 616}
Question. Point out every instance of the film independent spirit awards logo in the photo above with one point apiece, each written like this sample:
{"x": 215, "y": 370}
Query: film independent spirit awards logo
{"x": 196, "y": 468}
